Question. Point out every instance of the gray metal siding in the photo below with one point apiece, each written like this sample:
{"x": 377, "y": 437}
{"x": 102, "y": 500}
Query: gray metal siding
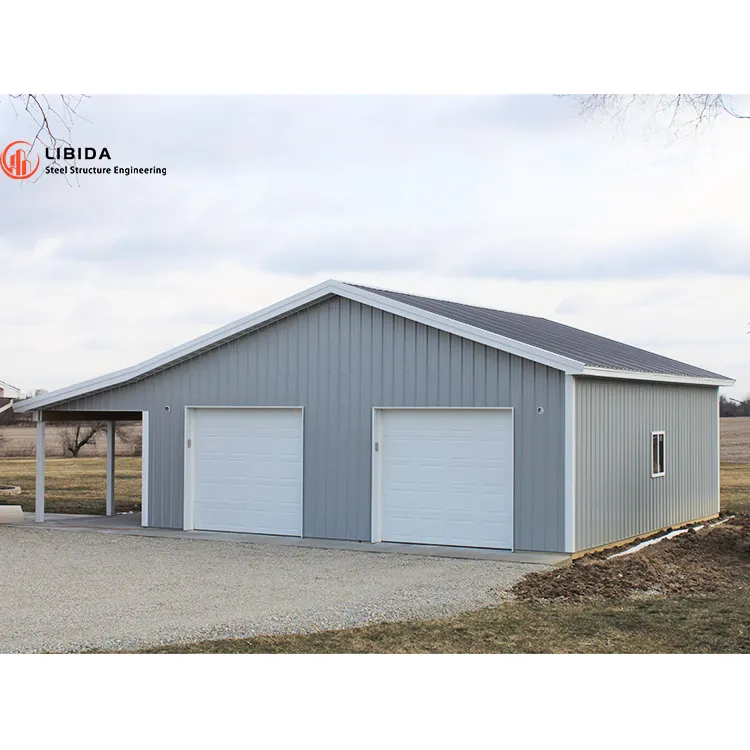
{"x": 339, "y": 359}
{"x": 616, "y": 496}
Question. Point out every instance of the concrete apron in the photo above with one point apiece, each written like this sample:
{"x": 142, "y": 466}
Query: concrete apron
{"x": 130, "y": 525}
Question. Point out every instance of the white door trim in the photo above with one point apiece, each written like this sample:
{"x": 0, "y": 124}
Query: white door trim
{"x": 376, "y": 532}
{"x": 188, "y": 521}
{"x": 376, "y": 499}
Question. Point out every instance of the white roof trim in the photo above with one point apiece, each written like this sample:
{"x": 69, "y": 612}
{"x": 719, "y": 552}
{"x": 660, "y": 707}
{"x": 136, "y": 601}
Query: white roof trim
{"x": 653, "y": 377}
{"x": 184, "y": 350}
{"x": 308, "y": 297}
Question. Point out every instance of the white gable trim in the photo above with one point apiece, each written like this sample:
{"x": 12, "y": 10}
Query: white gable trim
{"x": 160, "y": 361}
{"x": 304, "y": 299}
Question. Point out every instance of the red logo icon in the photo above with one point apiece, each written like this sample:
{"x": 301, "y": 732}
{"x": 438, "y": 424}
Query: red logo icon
{"x": 15, "y": 161}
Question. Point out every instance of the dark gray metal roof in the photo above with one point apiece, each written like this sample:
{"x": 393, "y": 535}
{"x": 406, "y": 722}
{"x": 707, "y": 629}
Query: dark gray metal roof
{"x": 588, "y": 348}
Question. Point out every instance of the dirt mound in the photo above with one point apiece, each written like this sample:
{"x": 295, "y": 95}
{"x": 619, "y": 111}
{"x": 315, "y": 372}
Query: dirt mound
{"x": 697, "y": 562}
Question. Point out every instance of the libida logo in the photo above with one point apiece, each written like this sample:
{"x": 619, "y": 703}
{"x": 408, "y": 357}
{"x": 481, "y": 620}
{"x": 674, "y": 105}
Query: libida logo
{"x": 15, "y": 161}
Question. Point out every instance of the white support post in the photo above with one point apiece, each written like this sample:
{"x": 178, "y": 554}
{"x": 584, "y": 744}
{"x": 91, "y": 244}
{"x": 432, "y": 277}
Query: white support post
{"x": 39, "y": 501}
{"x": 110, "y": 468}
{"x": 144, "y": 470}
{"x": 718, "y": 450}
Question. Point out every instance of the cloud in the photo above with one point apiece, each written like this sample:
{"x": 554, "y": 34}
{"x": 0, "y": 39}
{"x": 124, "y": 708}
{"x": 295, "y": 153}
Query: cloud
{"x": 532, "y": 113}
{"x": 512, "y": 202}
{"x": 693, "y": 254}
{"x": 574, "y": 305}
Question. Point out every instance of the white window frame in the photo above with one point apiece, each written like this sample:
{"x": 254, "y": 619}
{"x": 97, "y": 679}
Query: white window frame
{"x": 663, "y": 435}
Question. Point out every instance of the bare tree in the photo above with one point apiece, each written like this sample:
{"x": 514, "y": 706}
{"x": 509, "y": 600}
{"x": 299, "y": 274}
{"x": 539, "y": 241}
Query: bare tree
{"x": 52, "y": 116}
{"x": 74, "y": 436}
{"x": 732, "y": 407}
{"x": 683, "y": 113}
{"x": 686, "y": 113}
{"x": 131, "y": 435}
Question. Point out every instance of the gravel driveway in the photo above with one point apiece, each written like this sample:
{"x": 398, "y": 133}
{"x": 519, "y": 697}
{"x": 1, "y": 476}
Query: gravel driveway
{"x": 68, "y": 590}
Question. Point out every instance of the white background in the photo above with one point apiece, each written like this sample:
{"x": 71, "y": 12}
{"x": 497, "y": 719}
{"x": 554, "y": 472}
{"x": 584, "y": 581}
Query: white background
{"x": 298, "y": 47}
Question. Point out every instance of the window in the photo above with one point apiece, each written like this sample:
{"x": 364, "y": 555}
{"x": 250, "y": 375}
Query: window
{"x": 657, "y": 454}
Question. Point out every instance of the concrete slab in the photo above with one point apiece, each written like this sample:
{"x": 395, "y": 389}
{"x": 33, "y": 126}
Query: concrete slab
{"x": 124, "y": 521}
{"x": 130, "y": 524}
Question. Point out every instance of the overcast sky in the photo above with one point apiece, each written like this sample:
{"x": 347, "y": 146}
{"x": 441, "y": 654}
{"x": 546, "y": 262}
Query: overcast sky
{"x": 507, "y": 202}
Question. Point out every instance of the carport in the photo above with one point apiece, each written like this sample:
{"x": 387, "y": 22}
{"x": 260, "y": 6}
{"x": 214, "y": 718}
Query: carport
{"x": 41, "y": 418}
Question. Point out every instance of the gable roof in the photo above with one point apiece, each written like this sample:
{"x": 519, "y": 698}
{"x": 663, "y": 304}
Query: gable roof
{"x": 552, "y": 344}
{"x": 588, "y": 348}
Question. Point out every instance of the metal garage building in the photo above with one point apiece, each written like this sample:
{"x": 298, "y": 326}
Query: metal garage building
{"x": 353, "y": 413}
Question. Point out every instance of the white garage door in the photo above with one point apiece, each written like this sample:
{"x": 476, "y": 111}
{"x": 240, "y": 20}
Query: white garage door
{"x": 247, "y": 470}
{"x": 447, "y": 477}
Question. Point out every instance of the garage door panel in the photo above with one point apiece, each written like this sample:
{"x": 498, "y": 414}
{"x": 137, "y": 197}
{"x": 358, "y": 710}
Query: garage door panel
{"x": 248, "y": 470}
{"x": 446, "y": 477}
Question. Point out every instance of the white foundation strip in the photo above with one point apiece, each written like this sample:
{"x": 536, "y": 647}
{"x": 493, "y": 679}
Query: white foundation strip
{"x": 671, "y": 534}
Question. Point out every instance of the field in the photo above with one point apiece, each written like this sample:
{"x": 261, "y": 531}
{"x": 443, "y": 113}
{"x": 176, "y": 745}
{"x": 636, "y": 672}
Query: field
{"x": 735, "y": 440}
{"x": 74, "y": 485}
{"x": 20, "y": 442}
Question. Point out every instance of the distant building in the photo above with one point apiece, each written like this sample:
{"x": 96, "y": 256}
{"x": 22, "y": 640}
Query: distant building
{"x": 8, "y": 394}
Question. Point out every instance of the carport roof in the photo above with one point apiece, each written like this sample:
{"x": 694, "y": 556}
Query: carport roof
{"x": 571, "y": 350}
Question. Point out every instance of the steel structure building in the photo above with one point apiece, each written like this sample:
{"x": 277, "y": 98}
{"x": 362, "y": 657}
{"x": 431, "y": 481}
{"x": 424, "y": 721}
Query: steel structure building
{"x": 347, "y": 412}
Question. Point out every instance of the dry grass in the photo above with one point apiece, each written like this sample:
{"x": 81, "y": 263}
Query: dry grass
{"x": 647, "y": 625}
{"x": 74, "y": 485}
{"x": 735, "y": 488}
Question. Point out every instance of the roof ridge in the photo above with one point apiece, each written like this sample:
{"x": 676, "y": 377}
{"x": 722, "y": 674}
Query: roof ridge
{"x": 448, "y": 301}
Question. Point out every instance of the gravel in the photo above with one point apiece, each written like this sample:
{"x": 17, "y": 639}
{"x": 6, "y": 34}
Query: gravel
{"x": 72, "y": 591}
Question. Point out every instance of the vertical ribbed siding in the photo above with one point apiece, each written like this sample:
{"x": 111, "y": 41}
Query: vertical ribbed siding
{"x": 339, "y": 359}
{"x": 616, "y": 496}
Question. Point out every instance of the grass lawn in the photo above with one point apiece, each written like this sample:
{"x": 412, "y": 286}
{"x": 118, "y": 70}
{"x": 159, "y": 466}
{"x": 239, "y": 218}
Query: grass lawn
{"x": 74, "y": 485}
